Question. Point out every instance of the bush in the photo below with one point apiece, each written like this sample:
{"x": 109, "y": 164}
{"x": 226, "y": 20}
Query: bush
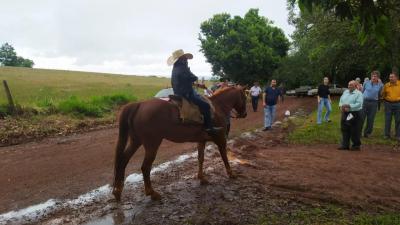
{"x": 47, "y": 106}
{"x": 96, "y": 106}
{"x": 73, "y": 105}
{"x": 4, "y": 110}
{"x": 18, "y": 110}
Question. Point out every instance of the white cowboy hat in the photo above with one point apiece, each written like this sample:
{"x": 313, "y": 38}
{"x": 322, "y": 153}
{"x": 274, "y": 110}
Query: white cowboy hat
{"x": 176, "y": 55}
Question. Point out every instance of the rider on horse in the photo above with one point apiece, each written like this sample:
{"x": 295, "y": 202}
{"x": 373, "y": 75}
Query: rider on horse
{"x": 182, "y": 82}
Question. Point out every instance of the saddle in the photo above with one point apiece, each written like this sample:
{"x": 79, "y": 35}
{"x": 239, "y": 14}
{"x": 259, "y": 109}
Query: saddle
{"x": 189, "y": 112}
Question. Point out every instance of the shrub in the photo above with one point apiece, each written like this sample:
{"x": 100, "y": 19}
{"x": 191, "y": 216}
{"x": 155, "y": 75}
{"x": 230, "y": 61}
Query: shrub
{"x": 73, "y": 105}
{"x": 18, "y": 111}
{"x": 47, "y": 106}
{"x": 3, "y": 110}
{"x": 96, "y": 106}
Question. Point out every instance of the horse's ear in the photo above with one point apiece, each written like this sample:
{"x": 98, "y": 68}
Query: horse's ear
{"x": 244, "y": 87}
{"x": 240, "y": 87}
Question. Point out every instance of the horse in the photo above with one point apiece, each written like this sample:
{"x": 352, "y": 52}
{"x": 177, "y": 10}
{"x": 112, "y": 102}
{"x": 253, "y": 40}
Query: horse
{"x": 148, "y": 122}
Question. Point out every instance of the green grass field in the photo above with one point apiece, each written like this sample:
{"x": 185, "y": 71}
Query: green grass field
{"x": 51, "y": 102}
{"x": 329, "y": 215}
{"x": 32, "y": 87}
{"x": 309, "y": 132}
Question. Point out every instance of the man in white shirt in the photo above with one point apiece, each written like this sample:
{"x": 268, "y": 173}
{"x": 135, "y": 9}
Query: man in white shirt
{"x": 255, "y": 92}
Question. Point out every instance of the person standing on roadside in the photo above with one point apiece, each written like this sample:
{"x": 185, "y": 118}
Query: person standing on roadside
{"x": 255, "y": 92}
{"x": 324, "y": 99}
{"x": 270, "y": 99}
{"x": 351, "y": 105}
{"x": 358, "y": 84}
{"x": 371, "y": 93}
{"x": 391, "y": 96}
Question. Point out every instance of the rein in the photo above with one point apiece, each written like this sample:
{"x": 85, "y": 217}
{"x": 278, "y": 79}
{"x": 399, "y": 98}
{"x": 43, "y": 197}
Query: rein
{"x": 236, "y": 114}
{"x": 232, "y": 113}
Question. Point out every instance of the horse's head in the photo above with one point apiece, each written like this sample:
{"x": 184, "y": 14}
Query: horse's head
{"x": 232, "y": 97}
{"x": 240, "y": 103}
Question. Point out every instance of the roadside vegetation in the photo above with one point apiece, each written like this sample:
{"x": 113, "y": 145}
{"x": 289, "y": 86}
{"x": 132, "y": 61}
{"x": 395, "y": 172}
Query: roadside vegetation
{"x": 328, "y": 215}
{"x": 309, "y": 132}
{"x": 55, "y": 102}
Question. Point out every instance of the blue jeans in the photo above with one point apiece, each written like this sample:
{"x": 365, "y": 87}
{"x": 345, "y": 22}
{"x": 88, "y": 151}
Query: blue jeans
{"x": 392, "y": 110}
{"x": 323, "y": 102}
{"x": 254, "y": 102}
{"x": 368, "y": 114}
{"x": 269, "y": 114}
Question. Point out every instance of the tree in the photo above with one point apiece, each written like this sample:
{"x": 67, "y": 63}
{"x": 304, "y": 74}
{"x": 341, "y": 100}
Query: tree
{"x": 244, "y": 49}
{"x": 8, "y": 57}
{"x": 372, "y": 19}
{"x": 372, "y": 15}
{"x": 22, "y": 62}
{"x": 324, "y": 45}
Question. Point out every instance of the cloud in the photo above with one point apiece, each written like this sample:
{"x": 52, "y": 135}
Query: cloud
{"x": 122, "y": 36}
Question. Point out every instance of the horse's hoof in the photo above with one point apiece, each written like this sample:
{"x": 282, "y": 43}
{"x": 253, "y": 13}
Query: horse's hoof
{"x": 232, "y": 175}
{"x": 155, "y": 196}
{"x": 117, "y": 194}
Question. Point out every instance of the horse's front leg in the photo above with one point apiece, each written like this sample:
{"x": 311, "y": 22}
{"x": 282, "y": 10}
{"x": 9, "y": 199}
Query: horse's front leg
{"x": 200, "y": 156}
{"x": 221, "y": 143}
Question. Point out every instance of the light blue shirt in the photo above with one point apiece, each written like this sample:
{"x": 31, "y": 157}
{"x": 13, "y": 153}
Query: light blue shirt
{"x": 354, "y": 99}
{"x": 372, "y": 91}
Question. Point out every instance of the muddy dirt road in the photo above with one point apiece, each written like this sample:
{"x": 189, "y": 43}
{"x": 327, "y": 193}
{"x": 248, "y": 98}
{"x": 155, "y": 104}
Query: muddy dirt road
{"x": 65, "y": 167}
{"x": 273, "y": 178}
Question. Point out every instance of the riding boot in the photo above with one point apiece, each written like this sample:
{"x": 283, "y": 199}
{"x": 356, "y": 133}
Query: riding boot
{"x": 210, "y": 129}
{"x": 228, "y": 128}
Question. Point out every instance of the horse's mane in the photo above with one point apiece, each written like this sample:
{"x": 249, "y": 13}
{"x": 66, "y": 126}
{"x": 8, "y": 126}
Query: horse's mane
{"x": 221, "y": 90}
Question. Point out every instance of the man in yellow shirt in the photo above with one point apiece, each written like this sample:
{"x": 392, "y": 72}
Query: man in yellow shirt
{"x": 391, "y": 95}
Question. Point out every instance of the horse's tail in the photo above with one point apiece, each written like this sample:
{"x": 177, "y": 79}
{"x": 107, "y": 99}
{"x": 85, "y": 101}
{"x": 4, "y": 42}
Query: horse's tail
{"x": 125, "y": 126}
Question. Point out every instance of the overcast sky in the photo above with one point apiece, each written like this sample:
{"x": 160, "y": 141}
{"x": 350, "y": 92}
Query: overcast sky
{"x": 118, "y": 36}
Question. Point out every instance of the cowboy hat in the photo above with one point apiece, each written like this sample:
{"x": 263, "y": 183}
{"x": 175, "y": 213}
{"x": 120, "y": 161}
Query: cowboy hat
{"x": 176, "y": 55}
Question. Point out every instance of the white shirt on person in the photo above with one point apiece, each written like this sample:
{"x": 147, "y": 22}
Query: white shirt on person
{"x": 255, "y": 91}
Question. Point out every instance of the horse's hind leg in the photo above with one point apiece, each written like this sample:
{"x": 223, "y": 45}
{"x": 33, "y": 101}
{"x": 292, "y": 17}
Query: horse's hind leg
{"x": 151, "y": 148}
{"x": 200, "y": 156}
{"x": 120, "y": 171}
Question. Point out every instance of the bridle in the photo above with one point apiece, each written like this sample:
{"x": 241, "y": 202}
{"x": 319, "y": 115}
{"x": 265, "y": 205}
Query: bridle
{"x": 235, "y": 113}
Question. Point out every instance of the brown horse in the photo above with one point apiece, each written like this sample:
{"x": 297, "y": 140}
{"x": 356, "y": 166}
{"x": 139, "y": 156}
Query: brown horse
{"x": 147, "y": 123}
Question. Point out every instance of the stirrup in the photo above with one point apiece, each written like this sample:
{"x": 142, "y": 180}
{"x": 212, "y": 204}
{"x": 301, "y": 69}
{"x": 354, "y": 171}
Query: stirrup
{"x": 213, "y": 130}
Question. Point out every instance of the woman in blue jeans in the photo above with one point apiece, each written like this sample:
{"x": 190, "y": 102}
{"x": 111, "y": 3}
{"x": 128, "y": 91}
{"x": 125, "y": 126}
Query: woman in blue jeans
{"x": 324, "y": 99}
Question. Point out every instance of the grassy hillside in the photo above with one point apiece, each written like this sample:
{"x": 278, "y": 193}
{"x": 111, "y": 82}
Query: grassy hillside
{"x": 32, "y": 87}
{"x": 57, "y": 102}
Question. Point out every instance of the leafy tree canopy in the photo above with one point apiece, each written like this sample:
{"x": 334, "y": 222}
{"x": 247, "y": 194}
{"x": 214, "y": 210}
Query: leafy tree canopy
{"x": 374, "y": 17}
{"x": 325, "y": 45}
{"x": 243, "y": 49}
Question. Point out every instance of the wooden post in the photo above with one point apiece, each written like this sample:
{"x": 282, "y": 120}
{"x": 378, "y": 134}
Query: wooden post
{"x": 9, "y": 97}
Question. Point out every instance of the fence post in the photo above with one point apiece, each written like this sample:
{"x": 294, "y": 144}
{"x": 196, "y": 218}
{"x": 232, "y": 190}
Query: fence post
{"x": 11, "y": 105}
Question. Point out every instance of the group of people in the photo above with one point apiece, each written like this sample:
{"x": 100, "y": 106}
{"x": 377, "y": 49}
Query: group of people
{"x": 359, "y": 105}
